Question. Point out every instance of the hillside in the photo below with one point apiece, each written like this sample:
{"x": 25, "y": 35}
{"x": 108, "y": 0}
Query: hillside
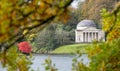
{"x": 73, "y": 48}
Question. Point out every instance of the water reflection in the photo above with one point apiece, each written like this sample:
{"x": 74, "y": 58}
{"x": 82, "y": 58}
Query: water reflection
{"x": 62, "y": 62}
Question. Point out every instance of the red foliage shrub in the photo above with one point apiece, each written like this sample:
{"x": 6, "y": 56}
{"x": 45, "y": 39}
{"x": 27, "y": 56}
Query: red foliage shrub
{"x": 25, "y": 47}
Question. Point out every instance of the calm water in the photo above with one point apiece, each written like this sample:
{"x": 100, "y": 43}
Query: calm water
{"x": 62, "y": 62}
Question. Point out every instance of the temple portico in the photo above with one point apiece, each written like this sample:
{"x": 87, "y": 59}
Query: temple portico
{"x": 87, "y": 32}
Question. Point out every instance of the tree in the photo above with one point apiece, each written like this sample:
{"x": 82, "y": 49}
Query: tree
{"x": 52, "y": 37}
{"x": 21, "y": 17}
{"x": 72, "y": 22}
{"x": 45, "y": 39}
{"x": 90, "y": 9}
{"x": 111, "y": 23}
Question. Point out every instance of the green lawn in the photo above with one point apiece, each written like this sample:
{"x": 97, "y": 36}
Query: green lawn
{"x": 72, "y": 48}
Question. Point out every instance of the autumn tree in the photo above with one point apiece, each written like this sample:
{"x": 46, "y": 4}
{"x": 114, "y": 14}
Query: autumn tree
{"x": 90, "y": 9}
{"x": 22, "y": 16}
{"x": 111, "y": 23}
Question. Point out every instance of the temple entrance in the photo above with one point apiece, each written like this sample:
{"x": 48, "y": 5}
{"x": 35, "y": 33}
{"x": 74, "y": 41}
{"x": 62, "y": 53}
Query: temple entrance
{"x": 90, "y": 36}
{"x": 86, "y": 32}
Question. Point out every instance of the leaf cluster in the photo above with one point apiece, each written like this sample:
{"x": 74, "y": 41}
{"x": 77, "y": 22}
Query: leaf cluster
{"x": 49, "y": 66}
{"x": 14, "y": 60}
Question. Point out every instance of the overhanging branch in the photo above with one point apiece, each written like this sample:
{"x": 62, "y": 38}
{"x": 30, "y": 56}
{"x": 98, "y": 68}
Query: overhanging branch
{"x": 19, "y": 35}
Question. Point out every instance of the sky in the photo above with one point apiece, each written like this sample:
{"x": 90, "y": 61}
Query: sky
{"x": 75, "y": 3}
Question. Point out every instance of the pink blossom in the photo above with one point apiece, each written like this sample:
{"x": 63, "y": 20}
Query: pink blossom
{"x": 24, "y": 47}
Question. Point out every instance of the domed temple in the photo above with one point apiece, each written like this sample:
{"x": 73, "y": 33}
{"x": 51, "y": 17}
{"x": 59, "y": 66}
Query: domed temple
{"x": 86, "y": 31}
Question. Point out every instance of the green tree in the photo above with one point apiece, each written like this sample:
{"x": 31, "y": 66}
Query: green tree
{"x": 52, "y": 37}
{"x": 72, "y": 22}
{"x": 45, "y": 39}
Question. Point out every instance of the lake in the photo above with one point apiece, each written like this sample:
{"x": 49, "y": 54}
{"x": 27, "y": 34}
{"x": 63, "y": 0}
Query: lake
{"x": 62, "y": 62}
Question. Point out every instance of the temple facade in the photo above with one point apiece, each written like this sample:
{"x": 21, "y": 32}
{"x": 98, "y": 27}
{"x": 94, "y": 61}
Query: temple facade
{"x": 86, "y": 32}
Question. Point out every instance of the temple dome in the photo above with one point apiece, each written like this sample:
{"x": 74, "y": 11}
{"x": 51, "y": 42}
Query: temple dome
{"x": 86, "y": 23}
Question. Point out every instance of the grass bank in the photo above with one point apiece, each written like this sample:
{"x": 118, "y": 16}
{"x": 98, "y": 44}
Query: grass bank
{"x": 73, "y": 48}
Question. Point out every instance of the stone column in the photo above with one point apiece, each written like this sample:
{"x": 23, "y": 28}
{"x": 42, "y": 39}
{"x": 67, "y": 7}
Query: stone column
{"x": 81, "y": 36}
{"x": 97, "y": 36}
{"x": 88, "y": 36}
{"x": 85, "y": 36}
{"x": 91, "y": 36}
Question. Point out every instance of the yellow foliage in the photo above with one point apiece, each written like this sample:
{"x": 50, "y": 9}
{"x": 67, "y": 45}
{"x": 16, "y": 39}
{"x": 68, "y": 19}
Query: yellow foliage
{"x": 51, "y": 11}
{"x": 25, "y": 31}
{"x": 111, "y": 23}
{"x": 113, "y": 34}
{"x": 103, "y": 66}
{"x": 22, "y": 66}
{"x": 42, "y": 4}
{"x": 97, "y": 50}
{"x": 16, "y": 14}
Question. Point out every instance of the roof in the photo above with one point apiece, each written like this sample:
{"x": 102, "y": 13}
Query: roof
{"x": 86, "y": 23}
